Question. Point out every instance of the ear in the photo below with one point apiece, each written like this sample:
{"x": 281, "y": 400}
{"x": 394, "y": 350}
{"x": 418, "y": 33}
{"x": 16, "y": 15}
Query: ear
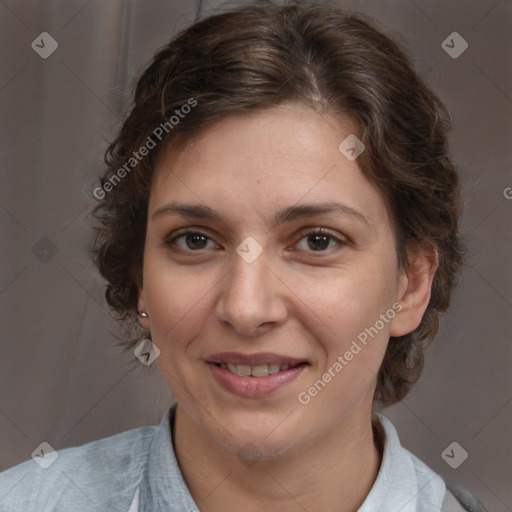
{"x": 141, "y": 307}
{"x": 414, "y": 288}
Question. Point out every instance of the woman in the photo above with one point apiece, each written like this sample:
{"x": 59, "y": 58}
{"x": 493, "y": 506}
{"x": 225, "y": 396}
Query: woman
{"x": 279, "y": 215}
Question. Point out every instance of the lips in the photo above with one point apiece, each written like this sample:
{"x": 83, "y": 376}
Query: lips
{"x": 254, "y": 387}
{"x": 254, "y": 375}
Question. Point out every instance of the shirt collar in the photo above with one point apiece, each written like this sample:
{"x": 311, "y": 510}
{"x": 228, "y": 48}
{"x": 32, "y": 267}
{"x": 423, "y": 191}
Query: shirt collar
{"x": 403, "y": 482}
{"x": 163, "y": 488}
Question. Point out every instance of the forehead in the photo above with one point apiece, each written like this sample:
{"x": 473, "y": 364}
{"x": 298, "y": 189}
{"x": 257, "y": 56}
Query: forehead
{"x": 283, "y": 155}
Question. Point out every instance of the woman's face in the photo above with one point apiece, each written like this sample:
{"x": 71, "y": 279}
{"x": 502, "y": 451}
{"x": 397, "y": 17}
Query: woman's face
{"x": 254, "y": 285}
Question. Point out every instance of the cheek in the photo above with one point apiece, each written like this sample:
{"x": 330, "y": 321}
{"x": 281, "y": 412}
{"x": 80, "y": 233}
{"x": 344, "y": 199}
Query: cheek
{"x": 177, "y": 305}
{"x": 341, "y": 305}
{"x": 342, "y": 315}
{"x": 349, "y": 346}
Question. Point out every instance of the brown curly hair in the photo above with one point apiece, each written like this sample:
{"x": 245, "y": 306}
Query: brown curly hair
{"x": 256, "y": 57}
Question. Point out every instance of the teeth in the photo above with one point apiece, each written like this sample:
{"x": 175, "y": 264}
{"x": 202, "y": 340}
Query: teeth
{"x": 243, "y": 369}
{"x": 262, "y": 370}
{"x": 273, "y": 368}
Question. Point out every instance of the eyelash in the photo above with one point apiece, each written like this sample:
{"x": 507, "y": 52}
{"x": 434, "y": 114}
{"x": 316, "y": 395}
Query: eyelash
{"x": 305, "y": 233}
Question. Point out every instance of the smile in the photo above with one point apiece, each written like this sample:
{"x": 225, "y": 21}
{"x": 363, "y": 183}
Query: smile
{"x": 255, "y": 381}
{"x": 263, "y": 370}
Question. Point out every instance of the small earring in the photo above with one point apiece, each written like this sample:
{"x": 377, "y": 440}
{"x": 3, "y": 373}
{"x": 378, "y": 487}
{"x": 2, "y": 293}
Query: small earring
{"x": 143, "y": 314}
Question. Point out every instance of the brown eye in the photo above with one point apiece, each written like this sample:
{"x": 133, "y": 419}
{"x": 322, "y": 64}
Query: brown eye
{"x": 189, "y": 241}
{"x": 319, "y": 241}
{"x": 195, "y": 240}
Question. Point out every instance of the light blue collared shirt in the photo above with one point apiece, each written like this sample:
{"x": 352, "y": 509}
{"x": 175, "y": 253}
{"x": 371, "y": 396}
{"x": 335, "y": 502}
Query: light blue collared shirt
{"x": 137, "y": 471}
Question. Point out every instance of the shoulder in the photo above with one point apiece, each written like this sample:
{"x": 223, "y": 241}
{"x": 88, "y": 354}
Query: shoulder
{"x": 459, "y": 499}
{"x": 430, "y": 491}
{"x": 86, "y": 469}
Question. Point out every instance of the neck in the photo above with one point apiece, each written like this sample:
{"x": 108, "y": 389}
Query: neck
{"x": 335, "y": 473}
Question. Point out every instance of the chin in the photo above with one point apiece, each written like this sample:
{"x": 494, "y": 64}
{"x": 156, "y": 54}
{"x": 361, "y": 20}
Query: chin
{"x": 269, "y": 439}
{"x": 256, "y": 448}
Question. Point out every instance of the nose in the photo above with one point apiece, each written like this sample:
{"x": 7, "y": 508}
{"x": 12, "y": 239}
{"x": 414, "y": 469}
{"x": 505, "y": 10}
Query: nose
{"x": 252, "y": 299}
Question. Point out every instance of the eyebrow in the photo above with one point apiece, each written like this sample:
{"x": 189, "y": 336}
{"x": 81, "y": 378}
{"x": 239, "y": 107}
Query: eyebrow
{"x": 289, "y": 214}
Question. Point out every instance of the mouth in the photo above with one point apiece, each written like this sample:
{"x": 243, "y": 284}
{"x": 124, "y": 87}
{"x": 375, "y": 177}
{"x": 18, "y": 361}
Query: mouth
{"x": 257, "y": 371}
{"x": 255, "y": 375}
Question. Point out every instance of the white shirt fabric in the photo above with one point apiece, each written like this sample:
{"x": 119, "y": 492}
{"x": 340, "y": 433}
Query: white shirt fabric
{"x": 137, "y": 471}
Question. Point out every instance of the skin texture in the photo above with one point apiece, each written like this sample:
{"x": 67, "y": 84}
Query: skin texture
{"x": 202, "y": 298}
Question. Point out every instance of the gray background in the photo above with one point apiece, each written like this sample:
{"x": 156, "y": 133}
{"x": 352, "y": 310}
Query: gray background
{"x": 62, "y": 379}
